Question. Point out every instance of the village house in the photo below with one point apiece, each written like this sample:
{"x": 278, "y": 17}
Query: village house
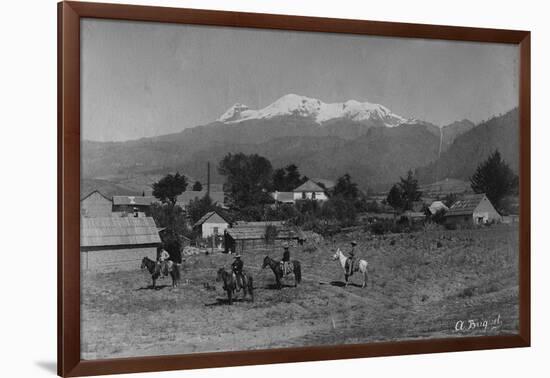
{"x": 473, "y": 209}
{"x": 245, "y": 236}
{"x": 309, "y": 191}
{"x": 211, "y": 224}
{"x": 117, "y": 243}
{"x": 283, "y": 197}
{"x": 137, "y": 206}
{"x": 96, "y": 205}
{"x": 436, "y": 206}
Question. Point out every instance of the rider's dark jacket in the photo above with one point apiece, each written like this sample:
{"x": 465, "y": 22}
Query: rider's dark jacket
{"x": 237, "y": 266}
{"x": 286, "y": 255}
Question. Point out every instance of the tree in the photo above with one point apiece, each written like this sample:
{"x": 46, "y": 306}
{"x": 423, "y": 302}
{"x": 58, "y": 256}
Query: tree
{"x": 172, "y": 219}
{"x": 197, "y": 186}
{"x": 345, "y": 188}
{"x": 248, "y": 179}
{"x": 395, "y": 197}
{"x": 168, "y": 188}
{"x": 494, "y": 178}
{"x": 199, "y": 206}
{"x": 409, "y": 190}
{"x": 288, "y": 178}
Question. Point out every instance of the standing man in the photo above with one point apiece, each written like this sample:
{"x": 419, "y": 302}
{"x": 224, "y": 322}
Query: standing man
{"x": 237, "y": 268}
{"x": 286, "y": 259}
{"x": 351, "y": 258}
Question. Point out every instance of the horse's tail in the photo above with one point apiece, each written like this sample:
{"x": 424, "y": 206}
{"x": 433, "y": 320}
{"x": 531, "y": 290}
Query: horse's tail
{"x": 250, "y": 283}
{"x": 297, "y": 271}
{"x": 251, "y": 287}
{"x": 177, "y": 273}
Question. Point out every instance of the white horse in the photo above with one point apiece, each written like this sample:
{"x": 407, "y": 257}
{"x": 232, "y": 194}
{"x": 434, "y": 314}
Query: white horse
{"x": 360, "y": 266}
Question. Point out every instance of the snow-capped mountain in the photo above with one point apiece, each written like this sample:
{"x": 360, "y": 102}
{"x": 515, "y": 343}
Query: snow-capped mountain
{"x": 317, "y": 110}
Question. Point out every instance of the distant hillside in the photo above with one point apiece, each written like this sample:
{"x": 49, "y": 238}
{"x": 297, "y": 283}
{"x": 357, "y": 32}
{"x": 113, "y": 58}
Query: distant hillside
{"x": 366, "y": 140}
{"x": 474, "y": 146}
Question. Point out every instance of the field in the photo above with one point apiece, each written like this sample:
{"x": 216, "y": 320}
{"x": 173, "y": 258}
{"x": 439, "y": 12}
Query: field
{"x": 421, "y": 285}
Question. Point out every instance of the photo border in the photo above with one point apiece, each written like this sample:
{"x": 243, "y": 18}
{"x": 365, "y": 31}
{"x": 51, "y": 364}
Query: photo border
{"x": 69, "y": 15}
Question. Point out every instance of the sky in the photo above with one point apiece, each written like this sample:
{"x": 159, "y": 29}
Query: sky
{"x": 141, "y": 79}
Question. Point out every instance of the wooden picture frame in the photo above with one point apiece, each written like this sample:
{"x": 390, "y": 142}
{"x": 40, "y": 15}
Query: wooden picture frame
{"x": 69, "y": 16}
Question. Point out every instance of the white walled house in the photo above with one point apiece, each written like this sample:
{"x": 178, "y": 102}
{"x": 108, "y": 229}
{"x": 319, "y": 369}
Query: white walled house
{"x": 211, "y": 224}
{"x": 309, "y": 191}
{"x": 476, "y": 209}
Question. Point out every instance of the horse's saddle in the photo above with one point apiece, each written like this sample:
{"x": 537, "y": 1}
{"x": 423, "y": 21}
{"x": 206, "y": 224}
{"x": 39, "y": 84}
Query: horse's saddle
{"x": 353, "y": 268}
{"x": 166, "y": 267}
{"x": 286, "y": 267}
{"x": 240, "y": 280}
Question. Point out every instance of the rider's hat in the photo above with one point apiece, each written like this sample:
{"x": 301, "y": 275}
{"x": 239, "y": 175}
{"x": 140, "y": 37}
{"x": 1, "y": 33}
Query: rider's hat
{"x": 285, "y": 245}
{"x": 353, "y": 242}
{"x": 238, "y": 255}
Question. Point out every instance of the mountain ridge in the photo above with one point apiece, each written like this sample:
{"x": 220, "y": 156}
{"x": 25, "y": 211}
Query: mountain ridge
{"x": 319, "y": 111}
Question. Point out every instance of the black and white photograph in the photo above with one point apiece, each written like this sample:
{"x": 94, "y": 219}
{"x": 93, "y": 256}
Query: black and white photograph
{"x": 245, "y": 189}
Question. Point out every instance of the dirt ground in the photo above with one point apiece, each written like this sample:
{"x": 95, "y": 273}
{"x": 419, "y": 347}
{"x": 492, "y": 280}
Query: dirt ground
{"x": 421, "y": 285}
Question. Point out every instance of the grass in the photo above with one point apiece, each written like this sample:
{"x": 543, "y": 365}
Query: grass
{"x": 419, "y": 286}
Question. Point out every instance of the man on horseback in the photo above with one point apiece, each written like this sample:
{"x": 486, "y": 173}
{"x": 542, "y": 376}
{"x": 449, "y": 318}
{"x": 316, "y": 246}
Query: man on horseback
{"x": 285, "y": 262}
{"x": 237, "y": 268}
{"x": 351, "y": 259}
{"x": 162, "y": 262}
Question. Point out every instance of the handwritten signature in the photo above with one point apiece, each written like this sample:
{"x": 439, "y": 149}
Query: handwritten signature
{"x": 481, "y": 324}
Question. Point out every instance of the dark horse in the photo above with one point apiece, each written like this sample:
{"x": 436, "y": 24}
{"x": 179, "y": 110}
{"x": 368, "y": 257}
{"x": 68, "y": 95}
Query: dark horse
{"x": 230, "y": 284}
{"x": 278, "y": 270}
{"x": 151, "y": 266}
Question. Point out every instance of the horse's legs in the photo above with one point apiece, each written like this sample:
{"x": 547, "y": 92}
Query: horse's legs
{"x": 346, "y": 278}
{"x": 230, "y": 296}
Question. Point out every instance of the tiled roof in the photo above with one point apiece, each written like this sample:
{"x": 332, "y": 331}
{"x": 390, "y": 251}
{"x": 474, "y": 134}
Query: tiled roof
{"x": 133, "y": 200}
{"x": 98, "y": 192}
{"x": 97, "y": 232}
{"x": 309, "y": 186}
{"x": 466, "y": 205}
{"x": 207, "y": 216}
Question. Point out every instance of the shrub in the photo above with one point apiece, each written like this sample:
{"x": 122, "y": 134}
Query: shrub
{"x": 379, "y": 228}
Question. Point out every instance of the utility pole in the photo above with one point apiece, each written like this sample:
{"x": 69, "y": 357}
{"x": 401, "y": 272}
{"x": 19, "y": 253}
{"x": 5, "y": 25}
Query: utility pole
{"x": 208, "y": 180}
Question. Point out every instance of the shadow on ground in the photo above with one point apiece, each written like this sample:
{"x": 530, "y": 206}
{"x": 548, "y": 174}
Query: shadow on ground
{"x": 343, "y": 284}
{"x": 150, "y": 287}
{"x": 225, "y": 301}
{"x": 274, "y": 286}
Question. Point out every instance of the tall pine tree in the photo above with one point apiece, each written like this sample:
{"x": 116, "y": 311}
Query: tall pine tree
{"x": 494, "y": 178}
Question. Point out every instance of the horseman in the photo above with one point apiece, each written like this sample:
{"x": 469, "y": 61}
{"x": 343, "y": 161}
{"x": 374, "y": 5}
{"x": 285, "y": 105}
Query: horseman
{"x": 237, "y": 268}
{"x": 351, "y": 259}
{"x": 162, "y": 261}
{"x": 285, "y": 262}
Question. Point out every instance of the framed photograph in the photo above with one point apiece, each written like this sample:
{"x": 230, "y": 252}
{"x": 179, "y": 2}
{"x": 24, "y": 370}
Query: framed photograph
{"x": 239, "y": 188}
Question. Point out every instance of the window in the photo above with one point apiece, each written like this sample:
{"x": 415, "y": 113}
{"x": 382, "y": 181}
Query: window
{"x": 304, "y": 195}
{"x": 313, "y": 195}
{"x": 215, "y": 230}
